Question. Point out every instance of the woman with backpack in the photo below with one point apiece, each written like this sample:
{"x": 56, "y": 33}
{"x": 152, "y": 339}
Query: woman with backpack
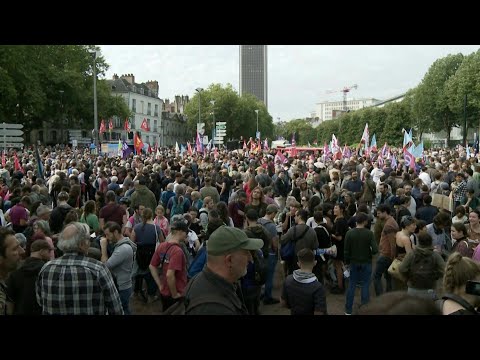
{"x": 178, "y": 204}
{"x": 422, "y": 267}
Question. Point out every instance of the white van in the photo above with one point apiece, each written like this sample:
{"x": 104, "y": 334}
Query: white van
{"x": 280, "y": 144}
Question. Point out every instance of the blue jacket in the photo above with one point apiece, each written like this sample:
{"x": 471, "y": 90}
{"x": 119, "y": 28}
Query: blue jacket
{"x": 198, "y": 263}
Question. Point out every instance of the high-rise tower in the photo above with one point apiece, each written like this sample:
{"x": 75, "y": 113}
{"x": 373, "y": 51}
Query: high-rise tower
{"x": 253, "y": 71}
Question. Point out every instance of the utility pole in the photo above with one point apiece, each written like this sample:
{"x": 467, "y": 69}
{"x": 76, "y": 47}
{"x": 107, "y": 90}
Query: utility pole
{"x": 465, "y": 121}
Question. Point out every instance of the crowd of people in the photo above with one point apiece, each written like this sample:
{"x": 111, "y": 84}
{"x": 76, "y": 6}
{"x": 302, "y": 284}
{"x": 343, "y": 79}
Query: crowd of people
{"x": 84, "y": 234}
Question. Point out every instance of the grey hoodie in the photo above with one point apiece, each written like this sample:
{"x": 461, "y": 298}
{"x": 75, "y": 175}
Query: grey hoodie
{"x": 304, "y": 277}
{"x": 121, "y": 262}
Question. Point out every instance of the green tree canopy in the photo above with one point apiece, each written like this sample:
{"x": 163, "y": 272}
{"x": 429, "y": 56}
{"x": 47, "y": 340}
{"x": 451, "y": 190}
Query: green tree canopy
{"x": 237, "y": 111}
{"x": 51, "y": 83}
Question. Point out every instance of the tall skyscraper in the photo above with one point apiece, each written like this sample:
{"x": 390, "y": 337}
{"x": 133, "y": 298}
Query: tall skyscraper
{"x": 253, "y": 71}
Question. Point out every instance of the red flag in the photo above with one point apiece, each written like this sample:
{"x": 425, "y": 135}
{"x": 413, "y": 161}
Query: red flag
{"x": 144, "y": 125}
{"x": 189, "y": 148}
{"x": 138, "y": 143}
{"x": 110, "y": 125}
{"x": 102, "y": 127}
{"x": 244, "y": 145}
{"x": 3, "y": 159}
{"x": 126, "y": 126}
{"x": 409, "y": 159}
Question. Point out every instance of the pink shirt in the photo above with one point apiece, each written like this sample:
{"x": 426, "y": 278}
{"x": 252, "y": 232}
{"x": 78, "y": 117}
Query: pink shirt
{"x": 476, "y": 254}
{"x": 163, "y": 223}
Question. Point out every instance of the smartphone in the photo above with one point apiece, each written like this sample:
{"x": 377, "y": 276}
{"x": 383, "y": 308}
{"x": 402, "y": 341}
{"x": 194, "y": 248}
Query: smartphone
{"x": 473, "y": 287}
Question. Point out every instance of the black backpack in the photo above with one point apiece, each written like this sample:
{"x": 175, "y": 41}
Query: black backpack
{"x": 423, "y": 270}
{"x": 261, "y": 233}
{"x": 261, "y": 268}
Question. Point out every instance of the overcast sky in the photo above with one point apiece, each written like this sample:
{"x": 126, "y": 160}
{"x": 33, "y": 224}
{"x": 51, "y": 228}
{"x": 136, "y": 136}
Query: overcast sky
{"x": 298, "y": 75}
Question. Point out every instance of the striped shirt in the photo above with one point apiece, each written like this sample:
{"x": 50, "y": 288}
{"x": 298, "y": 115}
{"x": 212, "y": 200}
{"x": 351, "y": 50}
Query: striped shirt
{"x": 75, "y": 284}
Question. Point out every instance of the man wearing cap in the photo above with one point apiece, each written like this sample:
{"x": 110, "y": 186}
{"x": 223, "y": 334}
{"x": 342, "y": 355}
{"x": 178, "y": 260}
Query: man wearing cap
{"x": 228, "y": 257}
{"x": 170, "y": 258}
{"x": 21, "y": 283}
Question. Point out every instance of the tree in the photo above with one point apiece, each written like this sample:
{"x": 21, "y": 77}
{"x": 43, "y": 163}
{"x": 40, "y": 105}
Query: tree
{"x": 431, "y": 97}
{"x": 465, "y": 85}
{"x": 238, "y": 112}
{"x": 53, "y": 83}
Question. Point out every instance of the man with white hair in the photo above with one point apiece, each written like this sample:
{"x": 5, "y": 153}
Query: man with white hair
{"x": 113, "y": 184}
{"x": 75, "y": 284}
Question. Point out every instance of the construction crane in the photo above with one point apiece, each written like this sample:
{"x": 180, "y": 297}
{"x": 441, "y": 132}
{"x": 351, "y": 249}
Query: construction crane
{"x": 345, "y": 91}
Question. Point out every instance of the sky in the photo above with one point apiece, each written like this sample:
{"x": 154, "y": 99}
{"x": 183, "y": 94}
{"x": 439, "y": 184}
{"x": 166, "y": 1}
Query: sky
{"x": 299, "y": 76}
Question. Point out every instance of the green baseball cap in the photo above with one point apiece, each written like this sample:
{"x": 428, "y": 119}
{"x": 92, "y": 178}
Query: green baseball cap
{"x": 226, "y": 239}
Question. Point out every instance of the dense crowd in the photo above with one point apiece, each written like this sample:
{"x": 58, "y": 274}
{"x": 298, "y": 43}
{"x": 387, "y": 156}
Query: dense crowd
{"x": 204, "y": 233}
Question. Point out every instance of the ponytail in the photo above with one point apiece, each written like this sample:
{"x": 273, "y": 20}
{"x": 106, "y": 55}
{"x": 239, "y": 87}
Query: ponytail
{"x": 147, "y": 215}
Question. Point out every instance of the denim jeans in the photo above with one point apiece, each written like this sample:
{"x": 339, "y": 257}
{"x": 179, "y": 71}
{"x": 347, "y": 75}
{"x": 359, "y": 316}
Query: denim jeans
{"x": 125, "y": 298}
{"x": 359, "y": 274}
{"x": 381, "y": 268}
{"x": 271, "y": 265}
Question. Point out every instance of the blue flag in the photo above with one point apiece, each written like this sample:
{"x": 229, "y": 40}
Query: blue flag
{"x": 125, "y": 150}
{"x": 39, "y": 165}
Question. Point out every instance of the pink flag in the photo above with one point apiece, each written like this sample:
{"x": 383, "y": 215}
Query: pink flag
{"x": 280, "y": 157}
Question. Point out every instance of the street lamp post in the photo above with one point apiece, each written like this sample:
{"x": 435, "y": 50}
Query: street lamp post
{"x": 95, "y": 117}
{"x": 257, "y": 122}
{"x": 61, "y": 114}
{"x": 213, "y": 112}
{"x": 199, "y": 90}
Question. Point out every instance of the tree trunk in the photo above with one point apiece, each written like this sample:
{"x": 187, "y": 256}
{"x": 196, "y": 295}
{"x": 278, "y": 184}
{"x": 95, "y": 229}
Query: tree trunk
{"x": 449, "y": 129}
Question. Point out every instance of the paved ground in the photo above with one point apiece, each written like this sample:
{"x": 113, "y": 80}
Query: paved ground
{"x": 335, "y": 303}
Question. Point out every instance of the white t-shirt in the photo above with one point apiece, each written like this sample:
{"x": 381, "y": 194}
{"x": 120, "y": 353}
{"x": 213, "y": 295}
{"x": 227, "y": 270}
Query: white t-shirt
{"x": 312, "y": 223}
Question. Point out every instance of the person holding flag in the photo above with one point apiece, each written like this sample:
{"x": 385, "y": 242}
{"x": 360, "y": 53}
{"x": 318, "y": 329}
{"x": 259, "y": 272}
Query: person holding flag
{"x": 137, "y": 143}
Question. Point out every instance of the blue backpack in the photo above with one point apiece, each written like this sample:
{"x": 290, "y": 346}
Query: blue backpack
{"x": 177, "y": 208}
